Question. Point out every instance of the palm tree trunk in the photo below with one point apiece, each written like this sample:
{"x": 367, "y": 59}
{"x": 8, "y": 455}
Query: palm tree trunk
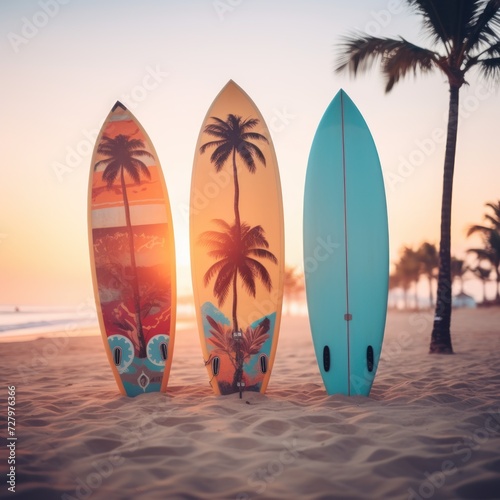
{"x": 235, "y": 302}
{"x": 135, "y": 284}
{"x": 238, "y": 374}
{"x": 498, "y": 287}
{"x": 237, "y": 221}
{"x": 441, "y": 338}
{"x": 237, "y": 225}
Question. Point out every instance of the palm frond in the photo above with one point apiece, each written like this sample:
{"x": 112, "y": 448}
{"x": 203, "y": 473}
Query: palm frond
{"x": 490, "y": 69}
{"x": 404, "y": 58}
{"x": 447, "y": 21}
{"x": 223, "y": 283}
{"x": 106, "y": 161}
{"x": 249, "y": 123}
{"x": 141, "y": 152}
{"x": 217, "y": 131}
{"x": 211, "y": 144}
{"x": 261, "y": 271}
{"x": 132, "y": 144}
{"x": 132, "y": 171}
{"x": 254, "y": 338}
{"x": 246, "y": 156}
{"x": 220, "y": 155}
{"x": 221, "y": 122}
{"x": 483, "y": 26}
{"x": 214, "y": 239}
{"x": 476, "y": 228}
{"x": 495, "y": 218}
{"x": 398, "y": 57}
{"x": 358, "y": 52}
{"x": 111, "y": 173}
{"x": 212, "y": 270}
{"x": 105, "y": 145}
{"x": 247, "y": 278}
{"x": 254, "y": 136}
{"x": 218, "y": 253}
{"x": 254, "y": 236}
{"x": 221, "y": 336}
{"x": 263, "y": 254}
{"x": 254, "y": 150}
{"x": 139, "y": 165}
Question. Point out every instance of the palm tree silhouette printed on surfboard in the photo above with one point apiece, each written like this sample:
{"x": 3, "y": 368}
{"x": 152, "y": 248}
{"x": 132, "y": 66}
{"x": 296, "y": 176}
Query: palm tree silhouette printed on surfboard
{"x": 238, "y": 247}
{"x": 122, "y": 156}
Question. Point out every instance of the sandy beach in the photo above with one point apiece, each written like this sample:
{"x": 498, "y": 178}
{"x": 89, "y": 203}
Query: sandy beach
{"x": 430, "y": 428}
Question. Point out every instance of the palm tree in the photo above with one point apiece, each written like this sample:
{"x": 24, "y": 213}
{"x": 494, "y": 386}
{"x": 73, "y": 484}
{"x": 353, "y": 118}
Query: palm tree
{"x": 122, "y": 157}
{"x": 402, "y": 281}
{"x": 491, "y": 238}
{"x": 484, "y": 275}
{"x": 236, "y": 250}
{"x": 464, "y": 35}
{"x": 394, "y": 282}
{"x": 458, "y": 270}
{"x": 408, "y": 272}
{"x": 233, "y": 138}
{"x": 429, "y": 260}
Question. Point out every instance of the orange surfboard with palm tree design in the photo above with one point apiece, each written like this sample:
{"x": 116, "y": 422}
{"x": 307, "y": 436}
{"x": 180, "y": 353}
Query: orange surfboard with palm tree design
{"x": 132, "y": 254}
{"x": 237, "y": 244}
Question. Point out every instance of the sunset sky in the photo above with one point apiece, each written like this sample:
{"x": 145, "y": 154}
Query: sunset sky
{"x": 65, "y": 63}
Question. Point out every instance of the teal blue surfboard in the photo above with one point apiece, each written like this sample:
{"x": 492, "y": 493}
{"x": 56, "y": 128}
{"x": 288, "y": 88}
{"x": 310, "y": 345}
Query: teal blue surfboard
{"x": 346, "y": 249}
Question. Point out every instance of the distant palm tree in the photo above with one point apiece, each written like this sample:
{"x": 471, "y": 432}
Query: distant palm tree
{"x": 491, "y": 238}
{"x": 408, "y": 272}
{"x": 483, "y": 274}
{"x": 429, "y": 261}
{"x": 122, "y": 157}
{"x": 293, "y": 284}
{"x": 465, "y": 35}
{"x": 458, "y": 270}
{"x": 233, "y": 138}
{"x": 394, "y": 282}
{"x": 236, "y": 250}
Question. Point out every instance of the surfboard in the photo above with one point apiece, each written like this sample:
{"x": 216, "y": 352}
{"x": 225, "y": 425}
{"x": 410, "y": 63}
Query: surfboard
{"x": 237, "y": 244}
{"x": 132, "y": 254}
{"x": 346, "y": 249}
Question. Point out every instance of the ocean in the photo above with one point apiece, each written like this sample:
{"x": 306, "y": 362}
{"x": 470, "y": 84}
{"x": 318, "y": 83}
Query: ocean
{"x": 28, "y": 320}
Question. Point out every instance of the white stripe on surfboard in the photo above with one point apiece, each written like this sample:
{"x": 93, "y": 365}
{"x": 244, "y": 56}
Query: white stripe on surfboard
{"x": 139, "y": 215}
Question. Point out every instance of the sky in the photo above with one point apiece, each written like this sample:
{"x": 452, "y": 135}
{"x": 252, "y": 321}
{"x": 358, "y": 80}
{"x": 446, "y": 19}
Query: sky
{"x": 64, "y": 63}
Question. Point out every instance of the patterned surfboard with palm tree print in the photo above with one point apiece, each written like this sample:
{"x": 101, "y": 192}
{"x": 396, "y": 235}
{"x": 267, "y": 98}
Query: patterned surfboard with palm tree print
{"x": 132, "y": 254}
{"x": 237, "y": 244}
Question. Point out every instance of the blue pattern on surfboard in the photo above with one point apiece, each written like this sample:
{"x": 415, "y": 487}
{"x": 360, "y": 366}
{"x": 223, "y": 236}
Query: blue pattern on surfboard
{"x": 251, "y": 368}
{"x": 139, "y": 375}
